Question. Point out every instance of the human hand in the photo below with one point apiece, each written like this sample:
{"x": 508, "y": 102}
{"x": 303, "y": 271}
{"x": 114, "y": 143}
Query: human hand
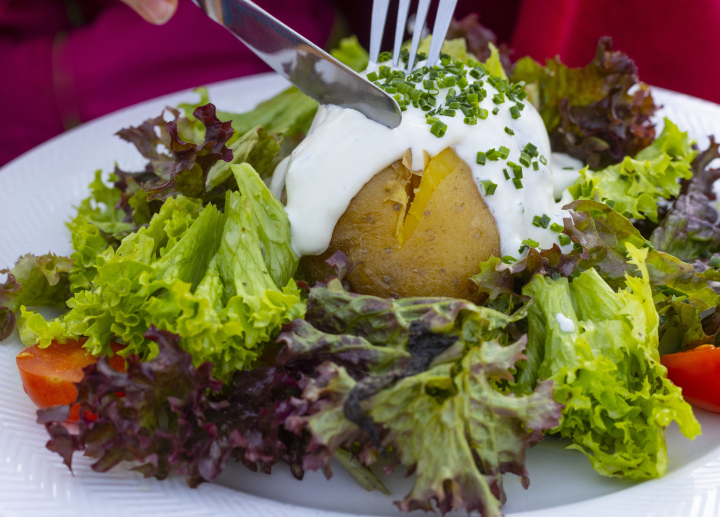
{"x": 154, "y": 11}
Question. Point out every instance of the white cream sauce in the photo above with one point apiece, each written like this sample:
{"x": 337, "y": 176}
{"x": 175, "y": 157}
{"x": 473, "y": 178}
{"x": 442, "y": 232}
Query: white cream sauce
{"x": 565, "y": 171}
{"x": 344, "y": 150}
{"x": 566, "y": 324}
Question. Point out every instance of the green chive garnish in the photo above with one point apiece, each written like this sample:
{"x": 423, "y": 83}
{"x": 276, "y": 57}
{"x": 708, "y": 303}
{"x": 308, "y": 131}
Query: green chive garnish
{"x": 488, "y": 187}
{"x": 481, "y": 158}
{"x": 556, "y": 227}
{"x": 438, "y": 129}
{"x": 509, "y": 131}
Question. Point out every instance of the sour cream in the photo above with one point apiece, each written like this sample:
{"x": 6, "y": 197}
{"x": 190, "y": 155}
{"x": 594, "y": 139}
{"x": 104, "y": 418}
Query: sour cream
{"x": 344, "y": 150}
{"x": 566, "y": 324}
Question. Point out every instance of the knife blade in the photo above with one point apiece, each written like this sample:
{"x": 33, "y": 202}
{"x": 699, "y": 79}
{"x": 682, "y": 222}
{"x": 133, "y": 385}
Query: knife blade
{"x": 315, "y": 72}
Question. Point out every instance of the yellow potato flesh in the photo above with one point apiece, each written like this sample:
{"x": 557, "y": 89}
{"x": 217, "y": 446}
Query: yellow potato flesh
{"x": 410, "y": 240}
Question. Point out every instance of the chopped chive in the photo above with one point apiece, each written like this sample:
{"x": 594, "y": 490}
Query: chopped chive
{"x": 449, "y": 81}
{"x": 430, "y": 119}
{"x": 472, "y": 97}
{"x": 481, "y": 158}
{"x": 518, "y": 183}
{"x": 448, "y": 113}
{"x": 462, "y": 82}
{"x": 541, "y": 222}
{"x": 470, "y": 121}
{"x": 495, "y": 110}
{"x": 488, "y": 187}
{"x": 556, "y": 227}
{"x": 524, "y": 159}
{"x": 428, "y": 83}
{"x": 514, "y": 112}
{"x": 568, "y": 168}
{"x": 507, "y": 259}
{"x": 564, "y": 239}
{"x": 509, "y": 131}
{"x": 493, "y": 155}
{"x": 505, "y": 172}
{"x": 372, "y": 76}
{"x": 454, "y": 105}
{"x": 482, "y": 113}
{"x": 531, "y": 243}
{"x": 438, "y": 129}
{"x": 520, "y": 105}
{"x": 516, "y": 169}
{"x": 498, "y": 98}
{"x": 535, "y": 165}
{"x": 384, "y": 56}
{"x": 390, "y": 89}
{"x": 543, "y": 160}
{"x": 504, "y": 152}
{"x": 531, "y": 150}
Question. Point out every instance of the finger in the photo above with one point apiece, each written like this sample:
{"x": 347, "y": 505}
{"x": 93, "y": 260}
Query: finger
{"x": 154, "y": 11}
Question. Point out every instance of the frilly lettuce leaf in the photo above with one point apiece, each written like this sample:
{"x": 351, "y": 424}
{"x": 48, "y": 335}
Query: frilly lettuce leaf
{"x": 448, "y": 425}
{"x": 36, "y": 281}
{"x": 503, "y": 282}
{"x": 176, "y": 166}
{"x": 590, "y": 112}
{"x": 99, "y": 224}
{"x": 600, "y": 348}
{"x": 634, "y": 186}
{"x": 386, "y": 322}
{"x": 223, "y": 282}
{"x": 689, "y": 231}
{"x": 175, "y": 419}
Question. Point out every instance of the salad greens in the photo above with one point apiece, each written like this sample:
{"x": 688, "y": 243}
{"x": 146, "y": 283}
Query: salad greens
{"x": 189, "y": 264}
{"x": 223, "y": 282}
{"x": 590, "y": 112}
{"x": 634, "y": 186}
{"x": 600, "y": 348}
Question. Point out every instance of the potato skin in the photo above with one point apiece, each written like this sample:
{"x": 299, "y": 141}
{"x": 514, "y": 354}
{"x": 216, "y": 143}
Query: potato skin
{"x": 457, "y": 232}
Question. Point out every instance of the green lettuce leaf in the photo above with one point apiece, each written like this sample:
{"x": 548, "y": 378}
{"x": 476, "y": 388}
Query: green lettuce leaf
{"x": 223, "y": 282}
{"x": 634, "y": 186}
{"x": 600, "y": 348}
{"x": 99, "y": 224}
{"x": 257, "y": 147}
{"x": 351, "y": 53}
{"x": 448, "y": 425}
{"x": 41, "y": 281}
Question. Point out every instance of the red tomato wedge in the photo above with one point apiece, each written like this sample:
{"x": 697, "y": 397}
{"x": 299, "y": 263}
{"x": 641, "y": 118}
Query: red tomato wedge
{"x": 48, "y": 373}
{"x": 697, "y": 372}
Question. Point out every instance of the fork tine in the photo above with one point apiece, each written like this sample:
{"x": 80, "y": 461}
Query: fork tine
{"x": 379, "y": 14}
{"x": 402, "y": 15}
{"x": 442, "y": 24}
{"x": 420, "y": 17}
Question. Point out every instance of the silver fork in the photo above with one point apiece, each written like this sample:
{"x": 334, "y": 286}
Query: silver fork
{"x": 442, "y": 24}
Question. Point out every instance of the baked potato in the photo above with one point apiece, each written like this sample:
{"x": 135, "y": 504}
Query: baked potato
{"x": 414, "y": 233}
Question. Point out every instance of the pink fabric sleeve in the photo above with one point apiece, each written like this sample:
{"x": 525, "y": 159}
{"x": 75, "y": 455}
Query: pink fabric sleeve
{"x": 64, "y": 77}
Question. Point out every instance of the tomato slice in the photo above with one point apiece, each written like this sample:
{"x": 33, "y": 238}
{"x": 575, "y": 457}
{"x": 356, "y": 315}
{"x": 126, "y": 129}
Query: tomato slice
{"x": 48, "y": 374}
{"x": 697, "y": 372}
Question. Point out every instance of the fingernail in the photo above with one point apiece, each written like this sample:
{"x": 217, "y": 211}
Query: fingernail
{"x": 158, "y": 11}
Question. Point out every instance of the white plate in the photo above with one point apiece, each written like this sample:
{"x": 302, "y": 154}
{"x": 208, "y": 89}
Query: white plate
{"x": 37, "y": 192}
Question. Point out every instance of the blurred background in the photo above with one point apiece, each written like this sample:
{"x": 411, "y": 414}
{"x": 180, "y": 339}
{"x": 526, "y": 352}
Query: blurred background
{"x": 65, "y": 62}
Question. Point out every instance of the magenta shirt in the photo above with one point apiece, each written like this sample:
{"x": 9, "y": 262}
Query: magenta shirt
{"x": 58, "y": 74}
